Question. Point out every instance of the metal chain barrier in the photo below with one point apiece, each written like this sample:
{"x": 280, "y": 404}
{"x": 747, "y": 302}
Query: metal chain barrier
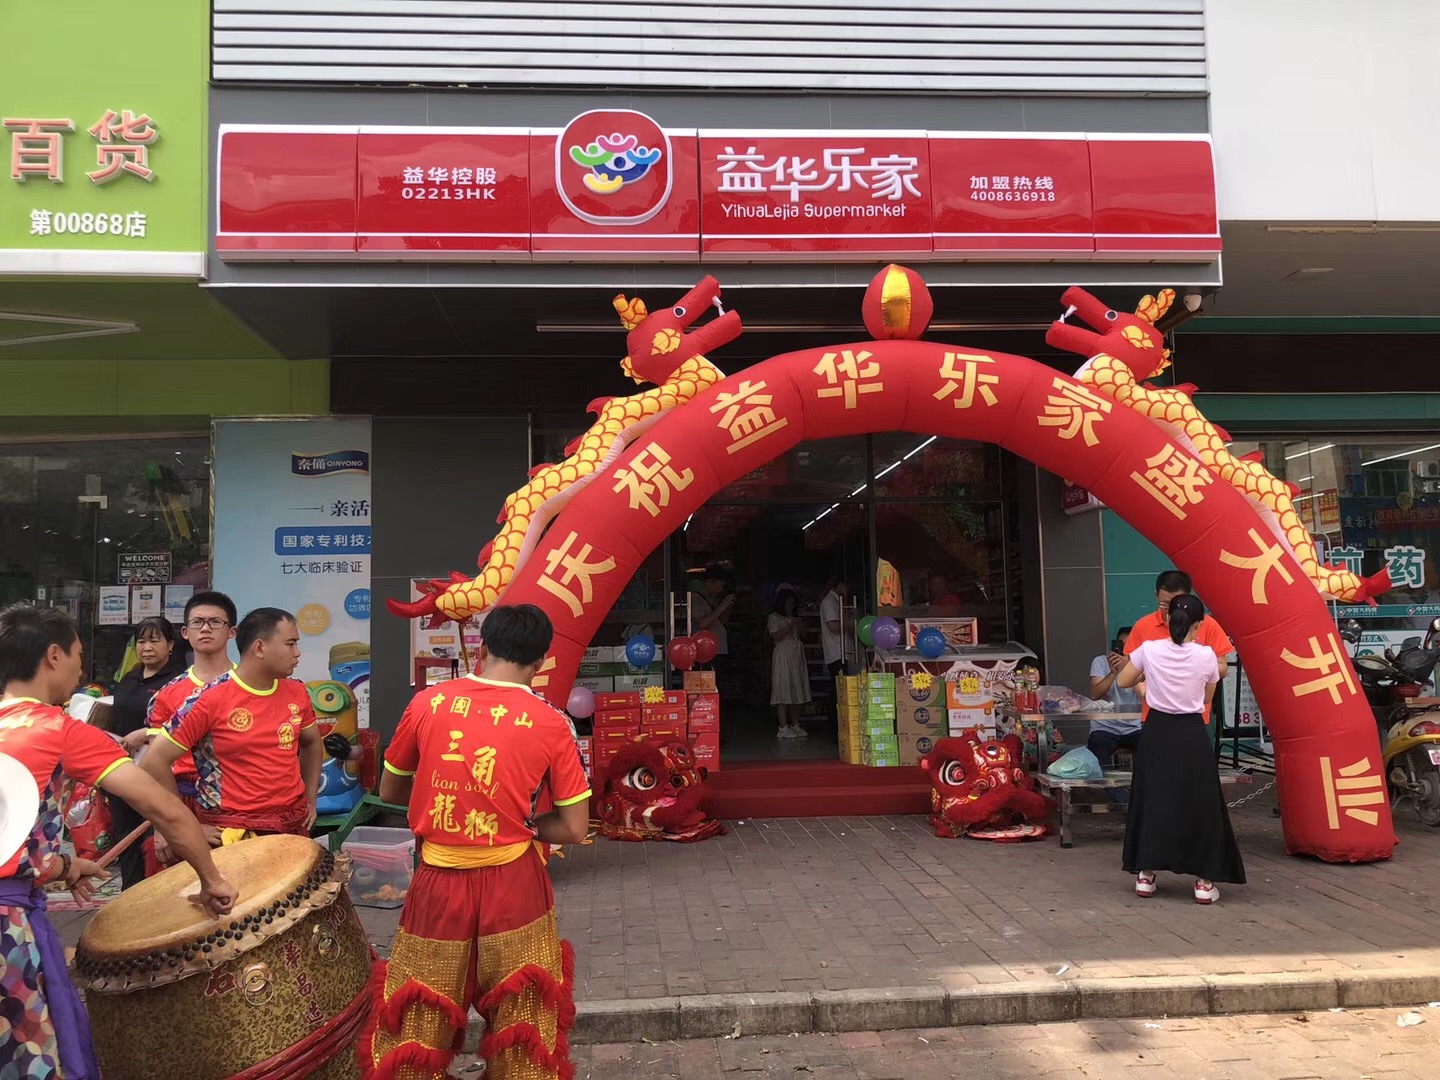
{"x": 1246, "y": 798}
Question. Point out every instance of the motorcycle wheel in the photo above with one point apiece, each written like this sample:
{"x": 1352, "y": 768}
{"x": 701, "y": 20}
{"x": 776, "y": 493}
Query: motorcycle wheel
{"x": 1425, "y": 789}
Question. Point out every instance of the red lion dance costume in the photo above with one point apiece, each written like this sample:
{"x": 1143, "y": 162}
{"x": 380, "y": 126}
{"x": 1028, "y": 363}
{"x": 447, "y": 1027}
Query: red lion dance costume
{"x": 653, "y": 791}
{"x": 981, "y": 789}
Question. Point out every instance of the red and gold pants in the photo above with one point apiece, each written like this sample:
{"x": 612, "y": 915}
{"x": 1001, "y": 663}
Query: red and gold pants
{"x": 485, "y": 937}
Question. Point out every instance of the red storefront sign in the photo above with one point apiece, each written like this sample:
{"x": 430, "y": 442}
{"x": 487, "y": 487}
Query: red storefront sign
{"x": 287, "y": 193}
{"x": 613, "y": 184}
{"x": 443, "y": 191}
{"x": 1013, "y": 197}
{"x": 858, "y": 195}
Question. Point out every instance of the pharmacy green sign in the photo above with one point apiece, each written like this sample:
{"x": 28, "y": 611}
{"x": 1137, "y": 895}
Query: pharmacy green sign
{"x": 102, "y": 138}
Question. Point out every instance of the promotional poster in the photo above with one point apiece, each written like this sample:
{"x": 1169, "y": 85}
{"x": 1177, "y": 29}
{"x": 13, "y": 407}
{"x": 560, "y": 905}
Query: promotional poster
{"x": 292, "y": 530}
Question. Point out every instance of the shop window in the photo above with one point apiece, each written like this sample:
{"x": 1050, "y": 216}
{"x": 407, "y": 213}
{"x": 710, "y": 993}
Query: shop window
{"x": 108, "y": 530}
{"x": 1369, "y": 501}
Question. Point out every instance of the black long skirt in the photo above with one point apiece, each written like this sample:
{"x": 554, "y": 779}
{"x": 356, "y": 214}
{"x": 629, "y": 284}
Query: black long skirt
{"x": 1177, "y": 819}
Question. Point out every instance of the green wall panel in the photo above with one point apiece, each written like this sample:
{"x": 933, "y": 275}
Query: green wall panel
{"x": 76, "y": 388}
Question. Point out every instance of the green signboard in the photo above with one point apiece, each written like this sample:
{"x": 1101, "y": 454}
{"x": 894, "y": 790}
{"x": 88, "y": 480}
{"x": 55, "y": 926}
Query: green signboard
{"x": 103, "y": 141}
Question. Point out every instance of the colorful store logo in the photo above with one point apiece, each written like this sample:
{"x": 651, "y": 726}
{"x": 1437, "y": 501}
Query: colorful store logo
{"x": 339, "y": 461}
{"x": 614, "y": 161}
{"x": 240, "y": 720}
{"x": 613, "y": 167}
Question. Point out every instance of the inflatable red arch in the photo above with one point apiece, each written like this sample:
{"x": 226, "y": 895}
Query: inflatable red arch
{"x": 1331, "y": 786}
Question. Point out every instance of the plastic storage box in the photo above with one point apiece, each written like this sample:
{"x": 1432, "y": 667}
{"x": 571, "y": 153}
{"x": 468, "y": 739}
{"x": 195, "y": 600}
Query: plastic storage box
{"x": 384, "y": 863}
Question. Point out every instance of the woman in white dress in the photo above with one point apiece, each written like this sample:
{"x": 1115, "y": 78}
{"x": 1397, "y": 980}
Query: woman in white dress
{"x": 789, "y": 677}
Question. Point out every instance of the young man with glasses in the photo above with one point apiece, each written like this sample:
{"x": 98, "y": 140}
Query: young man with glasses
{"x": 209, "y": 628}
{"x": 1170, "y": 584}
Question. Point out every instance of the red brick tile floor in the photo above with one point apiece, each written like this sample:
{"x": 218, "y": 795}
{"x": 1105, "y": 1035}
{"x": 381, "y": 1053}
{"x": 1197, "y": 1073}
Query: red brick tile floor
{"x": 848, "y": 903}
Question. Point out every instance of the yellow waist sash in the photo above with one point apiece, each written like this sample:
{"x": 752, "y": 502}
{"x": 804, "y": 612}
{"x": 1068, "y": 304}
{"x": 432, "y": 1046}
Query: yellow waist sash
{"x": 466, "y": 857}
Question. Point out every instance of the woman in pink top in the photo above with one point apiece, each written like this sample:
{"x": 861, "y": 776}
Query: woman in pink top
{"x": 1177, "y": 819}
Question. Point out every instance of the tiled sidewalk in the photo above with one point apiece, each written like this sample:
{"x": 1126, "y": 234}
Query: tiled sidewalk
{"x": 850, "y": 903}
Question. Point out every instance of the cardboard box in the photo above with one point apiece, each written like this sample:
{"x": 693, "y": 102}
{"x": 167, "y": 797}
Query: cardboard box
{"x": 922, "y": 720}
{"x": 664, "y": 699}
{"x": 913, "y": 747}
{"x": 699, "y": 682}
{"x": 623, "y": 720}
{"x": 637, "y": 682}
{"x": 664, "y": 731}
{"x": 909, "y": 696}
{"x": 599, "y": 684}
{"x": 704, "y": 712}
{"x": 592, "y": 655}
{"x": 847, "y": 689}
{"x": 872, "y": 682}
{"x": 587, "y": 753}
{"x": 629, "y": 699}
{"x": 874, "y": 710}
{"x": 706, "y": 749}
{"x": 872, "y": 726}
{"x": 651, "y": 715}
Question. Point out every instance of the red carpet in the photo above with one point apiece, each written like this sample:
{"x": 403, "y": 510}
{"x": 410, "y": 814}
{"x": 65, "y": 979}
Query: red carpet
{"x": 815, "y": 789}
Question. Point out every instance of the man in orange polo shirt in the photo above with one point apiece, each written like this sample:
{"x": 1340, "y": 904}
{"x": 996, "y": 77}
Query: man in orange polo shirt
{"x": 1170, "y": 584}
{"x": 253, "y": 735}
{"x": 471, "y": 756}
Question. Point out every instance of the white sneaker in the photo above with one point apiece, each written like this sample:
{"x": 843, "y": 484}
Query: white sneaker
{"x": 1206, "y": 892}
{"x": 1144, "y": 884}
{"x": 785, "y": 733}
{"x": 798, "y": 732}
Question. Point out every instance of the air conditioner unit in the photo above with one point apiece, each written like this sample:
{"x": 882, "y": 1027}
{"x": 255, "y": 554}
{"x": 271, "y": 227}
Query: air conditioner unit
{"x": 1428, "y": 469}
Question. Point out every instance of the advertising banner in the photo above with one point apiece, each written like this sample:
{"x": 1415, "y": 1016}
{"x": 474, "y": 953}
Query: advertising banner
{"x": 103, "y": 138}
{"x": 292, "y": 530}
{"x": 615, "y": 183}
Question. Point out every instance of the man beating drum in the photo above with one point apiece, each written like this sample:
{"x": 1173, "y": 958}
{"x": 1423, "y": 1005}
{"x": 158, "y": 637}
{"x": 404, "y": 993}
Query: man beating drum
{"x": 47, "y": 1033}
{"x": 244, "y": 730}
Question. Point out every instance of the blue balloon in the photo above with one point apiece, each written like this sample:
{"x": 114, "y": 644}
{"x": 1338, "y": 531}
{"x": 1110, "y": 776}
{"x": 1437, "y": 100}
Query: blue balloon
{"x": 931, "y": 642}
{"x": 640, "y": 651}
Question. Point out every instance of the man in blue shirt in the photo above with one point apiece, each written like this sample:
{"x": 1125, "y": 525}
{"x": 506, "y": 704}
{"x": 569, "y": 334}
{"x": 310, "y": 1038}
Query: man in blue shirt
{"x": 1107, "y": 735}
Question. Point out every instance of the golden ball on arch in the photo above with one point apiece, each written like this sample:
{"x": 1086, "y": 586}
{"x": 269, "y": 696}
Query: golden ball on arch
{"x": 897, "y": 304}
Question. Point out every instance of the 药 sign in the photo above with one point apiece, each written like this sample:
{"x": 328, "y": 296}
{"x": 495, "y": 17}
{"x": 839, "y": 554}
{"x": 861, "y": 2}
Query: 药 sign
{"x": 143, "y": 567}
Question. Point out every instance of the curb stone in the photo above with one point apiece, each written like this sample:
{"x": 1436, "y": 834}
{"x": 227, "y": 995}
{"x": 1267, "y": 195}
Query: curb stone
{"x": 701, "y": 1016}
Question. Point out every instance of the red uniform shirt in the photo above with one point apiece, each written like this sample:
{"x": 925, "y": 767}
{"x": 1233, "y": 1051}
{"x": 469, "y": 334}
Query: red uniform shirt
{"x": 52, "y": 745}
{"x": 480, "y": 751}
{"x": 246, "y": 743}
{"x": 164, "y": 706}
{"x": 1154, "y": 628}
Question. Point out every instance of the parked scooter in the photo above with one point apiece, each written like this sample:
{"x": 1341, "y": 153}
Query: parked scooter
{"x": 1409, "y": 734}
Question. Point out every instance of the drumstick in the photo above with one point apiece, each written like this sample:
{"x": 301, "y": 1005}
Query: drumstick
{"x": 114, "y": 852}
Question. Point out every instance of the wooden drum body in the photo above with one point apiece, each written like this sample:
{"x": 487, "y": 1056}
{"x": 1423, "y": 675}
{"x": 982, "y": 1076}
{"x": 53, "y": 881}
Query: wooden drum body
{"x": 277, "y": 989}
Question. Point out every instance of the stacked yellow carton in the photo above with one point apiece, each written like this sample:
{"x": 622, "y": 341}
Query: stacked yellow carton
{"x": 867, "y": 719}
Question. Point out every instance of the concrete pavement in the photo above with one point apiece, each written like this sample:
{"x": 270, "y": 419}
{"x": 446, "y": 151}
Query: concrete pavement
{"x": 1290, "y": 1046}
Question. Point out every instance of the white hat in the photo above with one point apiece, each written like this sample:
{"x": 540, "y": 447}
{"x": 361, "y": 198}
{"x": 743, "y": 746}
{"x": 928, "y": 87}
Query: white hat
{"x": 19, "y": 805}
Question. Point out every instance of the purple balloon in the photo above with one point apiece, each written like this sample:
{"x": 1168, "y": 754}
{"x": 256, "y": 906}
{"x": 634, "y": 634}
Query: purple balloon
{"x": 886, "y": 632}
{"x": 582, "y": 703}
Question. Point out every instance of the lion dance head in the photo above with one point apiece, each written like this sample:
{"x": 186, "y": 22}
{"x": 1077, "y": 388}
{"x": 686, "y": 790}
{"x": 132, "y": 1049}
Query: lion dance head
{"x": 980, "y": 788}
{"x": 653, "y": 791}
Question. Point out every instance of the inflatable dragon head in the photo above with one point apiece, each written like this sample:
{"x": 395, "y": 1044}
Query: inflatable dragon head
{"x": 980, "y": 788}
{"x": 652, "y": 790}
{"x": 659, "y": 343}
{"x": 1131, "y": 339}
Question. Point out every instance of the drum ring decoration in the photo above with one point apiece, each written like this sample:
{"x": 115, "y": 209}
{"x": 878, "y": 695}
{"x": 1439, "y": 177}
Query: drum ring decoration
{"x": 327, "y": 945}
{"x": 258, "y": 984}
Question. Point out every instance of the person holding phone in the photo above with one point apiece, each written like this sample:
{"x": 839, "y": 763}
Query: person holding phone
{"x": 1177, "y": 819}
{"x": 1110, "y": 734}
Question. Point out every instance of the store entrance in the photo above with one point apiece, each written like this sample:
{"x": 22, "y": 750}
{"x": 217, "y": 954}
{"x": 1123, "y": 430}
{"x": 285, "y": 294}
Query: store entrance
{"x": 757, "y": 575}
